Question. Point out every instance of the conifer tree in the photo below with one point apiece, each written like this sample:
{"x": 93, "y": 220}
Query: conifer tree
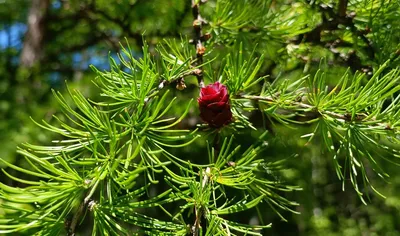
{"x": 123, "y": 164}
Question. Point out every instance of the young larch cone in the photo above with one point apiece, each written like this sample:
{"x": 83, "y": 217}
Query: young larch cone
{"x": 214, "y": 105}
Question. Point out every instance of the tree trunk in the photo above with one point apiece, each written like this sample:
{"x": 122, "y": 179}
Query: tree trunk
{"x": 32, "y": 49}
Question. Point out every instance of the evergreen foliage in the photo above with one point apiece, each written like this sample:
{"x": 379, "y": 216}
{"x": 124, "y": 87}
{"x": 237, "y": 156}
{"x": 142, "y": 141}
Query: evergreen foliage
{"x": 115, "y": 167}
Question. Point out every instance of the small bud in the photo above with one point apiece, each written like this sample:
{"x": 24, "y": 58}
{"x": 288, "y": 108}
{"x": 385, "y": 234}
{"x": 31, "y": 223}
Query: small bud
{"x": 200, "y": 50}
{"x": 197, "y": 71}
{"x": 231, "y": 164}
{"x": 162, "y": 84}
{"x": 196, "y": 23}
{"x": 91, "y": 205}
{"x": 347, "y": 116}
{"x": 205, "y": 37}
{"x": 351, "y": 15}
{"x": 87, "y": 181}
{"x": 180, "y": 84}
{"x": 365, "y": 70}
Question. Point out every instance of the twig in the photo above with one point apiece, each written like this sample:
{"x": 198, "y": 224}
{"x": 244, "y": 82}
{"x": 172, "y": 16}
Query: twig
{"x": 71, "y": 226}
{"x": 342, "y": 8}
{"x": 345, "y": 117}
{"x": 199, "y": 210}
{"x": 331, "y": 21}
{"x": 164, "y": 82}
{"x": 74, "y": 222}
{"x": 299, "y": 104}
{"x": 216, "y": 144}
{"x": 198, "y": 39}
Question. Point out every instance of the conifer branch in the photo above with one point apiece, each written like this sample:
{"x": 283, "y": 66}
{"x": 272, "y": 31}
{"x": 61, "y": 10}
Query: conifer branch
{"x": 196, "y": 72}
{"x": 299, "y": 104}
{"x": 71, "y": 227}
{"x": 198, "y": 39}
{"x": 345, "y": 117}
{"x": 199, "y": 209}
{"x": 330, "y": 22}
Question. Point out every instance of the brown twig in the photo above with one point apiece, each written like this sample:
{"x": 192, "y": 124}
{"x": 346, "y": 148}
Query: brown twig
{"x": 86, "y": 203}
{"x": 164, "y": 83}
{"x": 198, "y": 39}
{"x": 71, "y": 225}
{"x": 342, "y": 8}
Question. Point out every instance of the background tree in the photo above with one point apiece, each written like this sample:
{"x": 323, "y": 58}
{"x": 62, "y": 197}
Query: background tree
{"x": 45, "y": 43}
{"x": 346, "y": 117}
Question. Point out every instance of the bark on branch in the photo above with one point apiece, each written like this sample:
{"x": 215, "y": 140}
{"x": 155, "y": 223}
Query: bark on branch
{"x": 198, "y": 39}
